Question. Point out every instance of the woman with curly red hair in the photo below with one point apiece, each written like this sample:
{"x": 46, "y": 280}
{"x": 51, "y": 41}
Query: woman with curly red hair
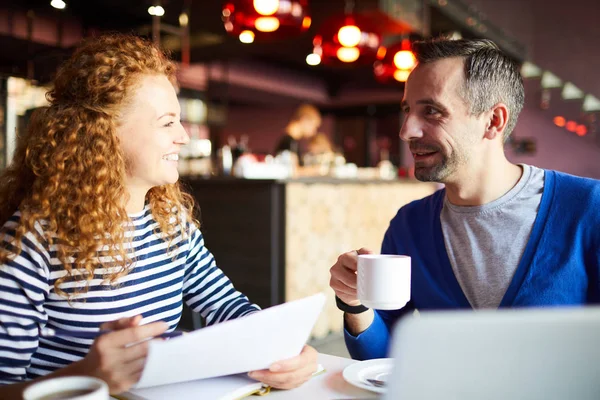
{"x": 96, "y": 232}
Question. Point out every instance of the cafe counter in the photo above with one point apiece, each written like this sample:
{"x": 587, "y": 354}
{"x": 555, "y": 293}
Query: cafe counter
{"x": 277, "y": 239}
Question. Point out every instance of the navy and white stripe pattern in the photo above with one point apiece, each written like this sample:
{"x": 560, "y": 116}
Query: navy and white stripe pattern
{"x": 155, "y": 288}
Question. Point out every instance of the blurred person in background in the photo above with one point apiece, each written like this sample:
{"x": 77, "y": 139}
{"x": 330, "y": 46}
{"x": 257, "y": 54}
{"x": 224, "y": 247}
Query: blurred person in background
{"x": 319, "y": 151}
{"x": 320, "y": 144}
{"x": 303, "y": 125}
{"x": 97, "y": 233}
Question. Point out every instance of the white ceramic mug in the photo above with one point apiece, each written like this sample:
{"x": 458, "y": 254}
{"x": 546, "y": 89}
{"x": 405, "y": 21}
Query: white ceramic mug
{"x": 68, "y": 388}
{"x": 383, "y": 281}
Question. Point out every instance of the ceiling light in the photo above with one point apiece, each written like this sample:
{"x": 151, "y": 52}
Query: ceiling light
{"x": 405, "y": 59}
{"x": 572, "y": 92}
{"x": 313, "y": 59}
{"x": 560, "y": 121}
{"x": 401, "y": 75}
{"x": 395, "y": 63}
{"x": 247, "y": 37}
{"x": 266, "y": 7}
{"x": 349, "y": 35}
{"x": 581, "y": 130}
{"x": 267, "y": 24}
{"x": 549, "y": 80}
{"x": 591, "y": 103}
{"x": 455, "y": 35}
{"x": 529, "y": 70}
{"x": 60, "y": 4}
{"x": 156, "y": 11}
{"x": 267, "y": 19}
{"x": 184, "y": 20}
{"x": 306, "y": 21}
{"x": 348, "y": 54}
{"x": 347, "y": 38}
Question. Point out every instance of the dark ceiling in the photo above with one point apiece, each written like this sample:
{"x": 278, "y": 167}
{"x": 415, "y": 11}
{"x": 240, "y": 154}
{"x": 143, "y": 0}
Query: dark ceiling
{"x": 209, "y": 41}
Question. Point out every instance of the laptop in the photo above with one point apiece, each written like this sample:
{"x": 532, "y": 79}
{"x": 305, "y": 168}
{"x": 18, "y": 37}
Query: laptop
{"x": 551, "y": 353}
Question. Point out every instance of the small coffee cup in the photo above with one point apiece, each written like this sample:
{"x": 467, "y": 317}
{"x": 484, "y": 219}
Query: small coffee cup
{"x": 68, "y": 388}
{"x": 383, "y": 281}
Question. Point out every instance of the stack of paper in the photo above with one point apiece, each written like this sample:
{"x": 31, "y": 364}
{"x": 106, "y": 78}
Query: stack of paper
{"x": 246, "y": 344}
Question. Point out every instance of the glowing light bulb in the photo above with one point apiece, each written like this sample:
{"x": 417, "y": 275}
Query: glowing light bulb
{"x": 313, "y": 59}
{"x": 401, "y": 75}
{"x": 560, "y": 121}
{"x": 581, "y": 130}
{"x": 246, "y": 36}
{"x": 60, "y": 4}
{"x": 157, "y": 11}
{"x": 266, "y": 7}
{"x": 349, "y": 35}
{"x": 306, "y": 21}
{"x": 184, "y": 20}
{"x": 266, "y": 24}
{"x": 405, "y": 59}
{"x": 348, "y": 54}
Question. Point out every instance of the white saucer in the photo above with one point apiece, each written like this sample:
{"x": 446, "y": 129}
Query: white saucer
{"x": 357, "y": 374}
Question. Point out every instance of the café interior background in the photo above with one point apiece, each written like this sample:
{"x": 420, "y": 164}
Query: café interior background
{"x": 239, "y": 88}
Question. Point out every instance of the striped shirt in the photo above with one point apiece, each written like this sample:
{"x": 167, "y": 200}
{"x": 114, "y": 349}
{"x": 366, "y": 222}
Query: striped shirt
{"x": 155, "y": 287}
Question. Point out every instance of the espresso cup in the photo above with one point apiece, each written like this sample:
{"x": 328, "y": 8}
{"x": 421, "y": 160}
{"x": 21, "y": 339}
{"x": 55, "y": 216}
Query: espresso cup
{"x": 68, "y": 388}
{"x": 383, "y": 281}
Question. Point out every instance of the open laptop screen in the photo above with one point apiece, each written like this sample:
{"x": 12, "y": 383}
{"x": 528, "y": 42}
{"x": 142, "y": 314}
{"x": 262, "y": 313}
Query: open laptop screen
{"x": 505, "y": 354}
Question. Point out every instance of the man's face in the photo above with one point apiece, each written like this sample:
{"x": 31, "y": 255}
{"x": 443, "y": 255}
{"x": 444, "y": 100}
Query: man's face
{"x": 441, "y": 133}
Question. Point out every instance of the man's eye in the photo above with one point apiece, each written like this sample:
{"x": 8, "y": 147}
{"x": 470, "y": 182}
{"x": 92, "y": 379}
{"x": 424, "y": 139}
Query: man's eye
{"x": 431, "y": 111}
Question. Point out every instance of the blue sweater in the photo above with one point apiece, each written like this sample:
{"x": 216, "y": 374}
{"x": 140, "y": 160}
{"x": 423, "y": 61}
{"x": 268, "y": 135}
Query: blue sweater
{"x": 560, "y": 264}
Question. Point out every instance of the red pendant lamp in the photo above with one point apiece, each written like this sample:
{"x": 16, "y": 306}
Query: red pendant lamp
{"x": 395, "y": 63}
{"x": 264, "y": 19}
{"x": 348, "y": 38}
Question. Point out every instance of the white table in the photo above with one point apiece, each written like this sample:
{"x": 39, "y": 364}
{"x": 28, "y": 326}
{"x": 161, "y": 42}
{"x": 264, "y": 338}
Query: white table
{"x": 328, "y": 385}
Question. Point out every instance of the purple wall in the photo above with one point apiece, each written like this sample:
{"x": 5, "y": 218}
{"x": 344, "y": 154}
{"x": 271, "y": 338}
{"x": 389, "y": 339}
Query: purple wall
{"x": 561, "y": 36}
{"x": 556, "y": 147}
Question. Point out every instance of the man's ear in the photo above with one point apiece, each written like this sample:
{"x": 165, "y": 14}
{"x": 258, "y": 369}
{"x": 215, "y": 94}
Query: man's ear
{"x": 497, "y": 121}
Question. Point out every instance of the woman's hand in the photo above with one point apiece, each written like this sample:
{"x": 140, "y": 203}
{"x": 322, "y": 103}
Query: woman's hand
{"x": 118, "y": 357}
{"x": 290, "y": 373}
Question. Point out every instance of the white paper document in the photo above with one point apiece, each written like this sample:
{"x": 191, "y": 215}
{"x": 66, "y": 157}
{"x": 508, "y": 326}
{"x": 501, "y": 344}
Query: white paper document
{"x": 246, "y": 344}
{"x": 222, "y": 388}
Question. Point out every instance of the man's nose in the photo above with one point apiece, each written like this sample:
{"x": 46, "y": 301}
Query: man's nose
{"x": 411, "y": 128}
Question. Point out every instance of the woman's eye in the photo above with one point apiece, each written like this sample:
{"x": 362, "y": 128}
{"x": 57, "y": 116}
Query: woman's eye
{"x": 169, "y": 124}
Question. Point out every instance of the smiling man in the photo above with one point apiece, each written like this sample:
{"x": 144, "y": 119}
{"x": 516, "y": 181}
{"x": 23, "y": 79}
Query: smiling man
{"x": 499, "y": 234}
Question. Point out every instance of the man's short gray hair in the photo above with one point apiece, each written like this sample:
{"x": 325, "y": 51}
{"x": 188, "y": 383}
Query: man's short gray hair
{"x": 491, "y": 76}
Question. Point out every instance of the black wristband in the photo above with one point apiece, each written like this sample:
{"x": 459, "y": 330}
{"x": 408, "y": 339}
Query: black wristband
{"x": 349, "y": 309}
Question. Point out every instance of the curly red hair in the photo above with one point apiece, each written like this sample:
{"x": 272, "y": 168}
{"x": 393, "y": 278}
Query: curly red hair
{"x": 69, "y": 170}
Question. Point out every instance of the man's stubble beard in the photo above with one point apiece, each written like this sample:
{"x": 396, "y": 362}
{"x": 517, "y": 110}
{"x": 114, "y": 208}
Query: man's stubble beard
{"x": 442, "y": 170}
